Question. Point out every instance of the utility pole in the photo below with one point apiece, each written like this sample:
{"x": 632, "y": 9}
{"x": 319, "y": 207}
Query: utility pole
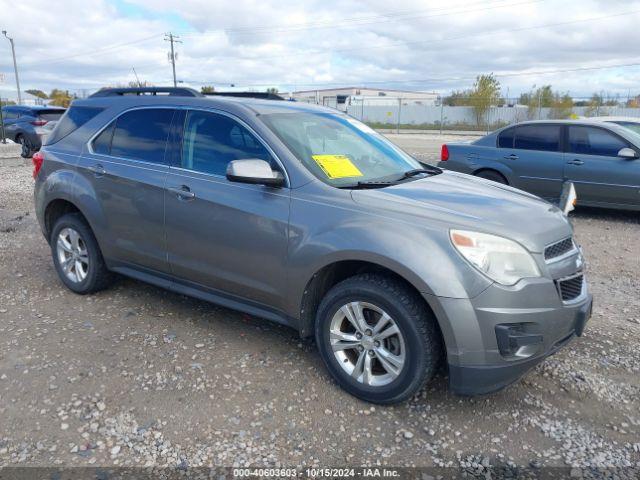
{"x": 15, "y": 65}
{"x": 171, "y": 38}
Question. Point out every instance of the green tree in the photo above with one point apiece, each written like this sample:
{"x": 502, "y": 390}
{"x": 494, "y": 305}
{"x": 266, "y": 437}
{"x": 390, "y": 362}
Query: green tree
{"x": 272, "y": 90}
{"x": 60, "y": 98}
{"x": 458, "y": 98}
{"x": 37, "y": 93}
{"x": 560, "y": 104}
{"x": 594, "y": 105}
{"x": 207, "y": 89}
{"x": 484, "y": 94}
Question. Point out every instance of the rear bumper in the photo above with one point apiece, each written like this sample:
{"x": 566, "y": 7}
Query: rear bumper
{"x": 482, "y": 379}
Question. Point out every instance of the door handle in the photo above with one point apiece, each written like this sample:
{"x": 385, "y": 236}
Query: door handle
{"x": 98, "y": 170}
{"x": 183, "y": 192}
{"x": 513, "y": 156}
{"x": 575, "y": 161}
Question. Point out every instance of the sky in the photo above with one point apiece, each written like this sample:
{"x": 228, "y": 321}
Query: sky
{"x": 428, "y": 45}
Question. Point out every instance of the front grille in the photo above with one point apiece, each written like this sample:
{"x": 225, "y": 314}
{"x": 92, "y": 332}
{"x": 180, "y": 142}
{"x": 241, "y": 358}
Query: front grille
{"x": 571, "y": 288}
{"x": 559, "y": 248}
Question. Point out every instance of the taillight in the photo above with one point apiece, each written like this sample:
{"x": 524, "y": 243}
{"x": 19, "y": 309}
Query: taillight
{"x": 444, "y": 153}
{"x": 37, "y": 159}
{"x": 39, "y": 123}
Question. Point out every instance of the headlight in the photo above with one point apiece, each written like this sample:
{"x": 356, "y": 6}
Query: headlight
{"x": 502, "y": 260}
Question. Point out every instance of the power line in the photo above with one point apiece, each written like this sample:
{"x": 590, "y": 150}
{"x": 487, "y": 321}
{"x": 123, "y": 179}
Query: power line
{"x": 98, "y": 51}
{"x": 358, "y": 21}
{"x": 435, "y": 42}
{"x": 424, "y": 80}
{"x": 430, "y": 42}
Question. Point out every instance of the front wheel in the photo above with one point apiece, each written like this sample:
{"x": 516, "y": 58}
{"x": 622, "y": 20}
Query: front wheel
{"x": 377, "y": 338}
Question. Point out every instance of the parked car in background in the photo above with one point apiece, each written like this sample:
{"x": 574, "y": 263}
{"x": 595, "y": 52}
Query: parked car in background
{"x": 27, "y": 125}
{"x": 303, "y": 215}
{"x": 631, "y": 123}
{"x": 601, "y": 159}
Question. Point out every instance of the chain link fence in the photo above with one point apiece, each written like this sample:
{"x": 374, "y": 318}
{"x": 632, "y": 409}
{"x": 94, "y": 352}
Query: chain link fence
{"x": 423, "y": 114}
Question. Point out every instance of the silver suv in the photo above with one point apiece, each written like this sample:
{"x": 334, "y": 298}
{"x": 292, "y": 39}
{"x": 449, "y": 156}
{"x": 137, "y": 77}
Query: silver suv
{"x": 304, "y": 216}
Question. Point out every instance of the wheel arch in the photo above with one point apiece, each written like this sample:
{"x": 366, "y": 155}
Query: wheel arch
{"x": 331, "y": 274}
{"x": 55, "y": 209}
{"x": 493, "y": 169}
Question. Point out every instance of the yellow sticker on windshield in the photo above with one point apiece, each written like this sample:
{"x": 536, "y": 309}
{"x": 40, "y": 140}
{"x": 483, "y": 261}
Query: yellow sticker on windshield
{"x": 337, "y": 166}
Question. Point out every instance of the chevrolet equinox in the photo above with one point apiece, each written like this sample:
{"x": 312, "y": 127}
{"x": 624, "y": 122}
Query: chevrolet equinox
{"x": 302, "y": 215}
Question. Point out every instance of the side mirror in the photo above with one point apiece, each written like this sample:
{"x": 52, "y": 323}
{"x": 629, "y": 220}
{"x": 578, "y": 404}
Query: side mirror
{"x": 628, "y": 153}
{"x": 254, "y": 171}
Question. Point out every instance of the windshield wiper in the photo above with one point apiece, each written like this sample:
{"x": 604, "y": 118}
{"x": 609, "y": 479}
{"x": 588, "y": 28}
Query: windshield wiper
{"x": 369, "y": 184}
{"x": 427, "y": 170}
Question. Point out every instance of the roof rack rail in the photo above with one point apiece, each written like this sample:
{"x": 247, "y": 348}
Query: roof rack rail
{"x": 171, "y": 91}
{"x": 262, "y": 95}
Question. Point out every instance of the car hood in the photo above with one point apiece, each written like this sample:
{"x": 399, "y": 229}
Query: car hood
{"x": 464, "y": 201}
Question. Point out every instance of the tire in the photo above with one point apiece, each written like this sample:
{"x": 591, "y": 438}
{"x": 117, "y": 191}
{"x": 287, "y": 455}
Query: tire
{"x": 88, "y": 273}
{"x": 418, "y": 342}
{"x": 26, "y": 150}
{"x": 493, "y": 176}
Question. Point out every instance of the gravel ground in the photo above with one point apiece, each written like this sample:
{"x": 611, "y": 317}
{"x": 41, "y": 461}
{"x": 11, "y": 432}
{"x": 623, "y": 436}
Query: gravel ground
{"x": 426, "y": 146}
{"x": 139, "y": 376}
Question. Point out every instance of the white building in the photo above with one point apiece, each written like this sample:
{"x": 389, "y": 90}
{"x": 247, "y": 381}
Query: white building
{"x": 341, "y": 98}
{"x": 27, "y": 98}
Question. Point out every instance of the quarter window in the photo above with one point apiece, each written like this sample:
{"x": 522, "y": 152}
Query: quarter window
{"x": 73, "y": 119}
{"x": 142, "y": 134}
{"x": 538, "y": 137}
{"x": 102, "y": 143}
{"x": 594, "y": 141}
{"x": 505, "y": 139}
{"x": 212, "y": 140}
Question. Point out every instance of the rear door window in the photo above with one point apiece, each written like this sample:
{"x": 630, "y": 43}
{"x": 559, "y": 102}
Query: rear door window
{"x": 594, "y": 141}
{"x": 142, "y": 134}
{"x": 545, "y": 138}
{"x": 74, "y": 118}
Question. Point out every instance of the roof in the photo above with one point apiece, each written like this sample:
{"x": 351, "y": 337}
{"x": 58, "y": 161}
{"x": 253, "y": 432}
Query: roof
{"x": 32, "y": 107}
{"x": 614, "y": 127}
{"x": 222, "y": 102}
{"x": 612, "y": 119}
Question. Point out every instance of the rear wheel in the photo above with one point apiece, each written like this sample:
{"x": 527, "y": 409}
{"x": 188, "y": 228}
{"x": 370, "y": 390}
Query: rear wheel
{"x": 77, "y": 257}
{"x": 377, "y": 338}
{"x": 493, "y": 176}
{"x": 26, "y": 151}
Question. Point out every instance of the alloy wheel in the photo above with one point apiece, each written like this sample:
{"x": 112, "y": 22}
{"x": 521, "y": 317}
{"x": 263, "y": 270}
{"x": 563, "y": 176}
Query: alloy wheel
{"x": 367, "y": 343}
{"x": 73, "y": 255}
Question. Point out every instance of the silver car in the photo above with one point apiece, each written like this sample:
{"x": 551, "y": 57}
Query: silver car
{"x": 602, "y": 160}
{"x": 304, "y": 216}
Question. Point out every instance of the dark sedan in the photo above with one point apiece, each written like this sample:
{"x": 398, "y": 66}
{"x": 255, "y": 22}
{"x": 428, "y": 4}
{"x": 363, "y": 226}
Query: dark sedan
{"x": 601, "y": 159}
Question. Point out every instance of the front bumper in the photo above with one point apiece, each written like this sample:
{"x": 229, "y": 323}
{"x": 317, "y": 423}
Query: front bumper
{"x": 497, "y": 336}
{"x": 482, "y": 379}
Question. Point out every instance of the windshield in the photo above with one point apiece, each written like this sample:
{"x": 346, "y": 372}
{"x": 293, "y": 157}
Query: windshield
{"x": 339, "y": 150}
{"x": 634, "y": 127}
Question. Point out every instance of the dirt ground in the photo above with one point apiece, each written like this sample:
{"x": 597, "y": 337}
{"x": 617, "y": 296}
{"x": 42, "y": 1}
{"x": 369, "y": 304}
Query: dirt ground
{"x": 138, "y": 376}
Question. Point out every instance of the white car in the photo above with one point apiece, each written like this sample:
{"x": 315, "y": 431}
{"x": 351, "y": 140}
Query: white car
{"x": 631, "y": 123}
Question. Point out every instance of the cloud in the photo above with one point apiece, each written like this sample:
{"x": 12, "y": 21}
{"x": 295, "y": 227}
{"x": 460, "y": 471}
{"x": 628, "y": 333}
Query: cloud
{"x": 290, "y": 44}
